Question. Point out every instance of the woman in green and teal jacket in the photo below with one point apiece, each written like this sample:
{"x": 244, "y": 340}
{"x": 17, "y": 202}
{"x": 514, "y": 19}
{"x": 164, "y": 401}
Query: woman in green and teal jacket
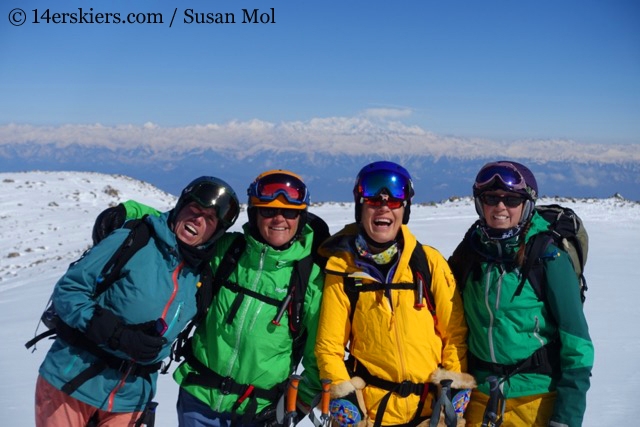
{"x": 242, "y": 354}
{"x": 535, "y": 354}
{"x": 102, "y": 367}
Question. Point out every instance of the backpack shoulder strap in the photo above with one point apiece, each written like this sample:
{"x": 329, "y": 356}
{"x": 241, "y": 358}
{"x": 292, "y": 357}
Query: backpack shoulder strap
{"x": 298, "y": 288}
{"x": 138, "y": 237}
{"x": 464, "y": 259}
{"x": 533, "y": 268}
{"x": 230, "y": 260}
{"x": 422, "y": 278}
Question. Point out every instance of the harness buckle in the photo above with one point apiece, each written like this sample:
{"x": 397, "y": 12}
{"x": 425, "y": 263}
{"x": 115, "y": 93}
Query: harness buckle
{"x": 405, "y": 389}
{"x": 225, "y": 385}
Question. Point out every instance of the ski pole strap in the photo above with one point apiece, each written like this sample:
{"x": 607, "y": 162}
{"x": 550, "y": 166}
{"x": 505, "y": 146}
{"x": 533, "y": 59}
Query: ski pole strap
{"x": 443, "y": 403}
{"x": 545, "y": 361}
{"x": 403, "y": 389}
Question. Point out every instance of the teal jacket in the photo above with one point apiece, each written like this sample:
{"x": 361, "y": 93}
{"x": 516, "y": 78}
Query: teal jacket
{"x": 145, "y": 292}
{"x": 506, "y": 329}
{"x": 251, "y": 349}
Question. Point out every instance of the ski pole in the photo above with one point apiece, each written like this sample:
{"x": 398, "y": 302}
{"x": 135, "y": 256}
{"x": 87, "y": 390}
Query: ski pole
{"x": 281, "y": 309}
{"x": 325, "y": 419}
{"x": 291, "y": 416}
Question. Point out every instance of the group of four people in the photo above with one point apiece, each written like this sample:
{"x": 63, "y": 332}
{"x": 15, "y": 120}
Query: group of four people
{"x": 386, "y": 319}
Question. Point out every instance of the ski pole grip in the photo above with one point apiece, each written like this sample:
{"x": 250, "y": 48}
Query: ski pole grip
{"x": 292, "y": 392}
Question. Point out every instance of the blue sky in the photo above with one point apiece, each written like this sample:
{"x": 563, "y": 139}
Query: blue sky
{"x": 499, "y": 70}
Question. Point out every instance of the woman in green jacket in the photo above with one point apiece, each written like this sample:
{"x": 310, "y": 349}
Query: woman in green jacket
{"x": 532, "y": 358}
{"x": 251, "y": 340}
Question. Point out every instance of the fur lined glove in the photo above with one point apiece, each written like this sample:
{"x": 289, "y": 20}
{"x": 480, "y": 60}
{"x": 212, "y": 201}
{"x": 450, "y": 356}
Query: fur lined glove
{"x": 454, "y": 392}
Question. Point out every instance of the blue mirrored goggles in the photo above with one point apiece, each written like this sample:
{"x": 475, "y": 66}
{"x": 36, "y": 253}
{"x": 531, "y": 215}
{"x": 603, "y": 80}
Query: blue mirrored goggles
{"x": 225, "y": 204}
{"x": 374, "y": 183}
{"x": 503, "y": 174}
{"x": 269, "y": 187}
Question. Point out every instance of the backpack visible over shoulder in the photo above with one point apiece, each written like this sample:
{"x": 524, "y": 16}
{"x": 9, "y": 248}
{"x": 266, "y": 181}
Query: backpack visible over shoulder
{"x": 138, "y": 238}
{"x": 139, "y": 235}
{"x": 567, "y": 232}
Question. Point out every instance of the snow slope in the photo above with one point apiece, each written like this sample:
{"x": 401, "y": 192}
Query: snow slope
{"x": 46, "y": 220}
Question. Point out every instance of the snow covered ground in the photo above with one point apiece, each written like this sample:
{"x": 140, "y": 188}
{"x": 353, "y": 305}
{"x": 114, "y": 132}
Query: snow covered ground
{"x": 46, "y": 220}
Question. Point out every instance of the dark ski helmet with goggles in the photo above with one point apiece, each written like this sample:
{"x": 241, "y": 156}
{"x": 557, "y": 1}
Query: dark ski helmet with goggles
{"x": 383, "y": 177}
{"x": 509, "y": 176}
{"x": 278, "y": 189}
{"x": 211, "y": 192}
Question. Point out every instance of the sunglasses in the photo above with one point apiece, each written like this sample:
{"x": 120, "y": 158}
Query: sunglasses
{"x": 509, "y": 201}
{"x": 391, "y": 203}
{"x": 373, "y": 184}
{"x": 500, "y": 173}
{"x": 268, "y": 188}
{"x": 286, "y": 213}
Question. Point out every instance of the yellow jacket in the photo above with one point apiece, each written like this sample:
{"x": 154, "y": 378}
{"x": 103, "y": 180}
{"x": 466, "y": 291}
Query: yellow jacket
{"x": 394, "y": 341}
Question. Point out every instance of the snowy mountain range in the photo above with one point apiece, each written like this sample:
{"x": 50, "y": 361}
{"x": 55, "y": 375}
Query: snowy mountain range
{"x": 46, "y": 220}
{"x": 327, "y": 152}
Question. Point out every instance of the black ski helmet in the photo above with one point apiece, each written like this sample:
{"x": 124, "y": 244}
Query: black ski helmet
{"x": 211, "y": 192}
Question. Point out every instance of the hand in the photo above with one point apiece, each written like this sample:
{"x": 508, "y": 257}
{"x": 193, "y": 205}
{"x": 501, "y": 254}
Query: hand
{"x": 108, "y": 220}
{"x": 139, "y": 341}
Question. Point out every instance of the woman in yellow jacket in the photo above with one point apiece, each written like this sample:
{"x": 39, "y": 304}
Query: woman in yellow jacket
{"x": 403, "y": 334}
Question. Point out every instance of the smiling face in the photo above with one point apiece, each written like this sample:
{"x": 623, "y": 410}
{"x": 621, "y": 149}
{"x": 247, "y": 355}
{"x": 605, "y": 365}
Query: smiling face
{"x": 195, "y": 225}
{"x": 277, "y": 230}
{"x": 501, "y": 216}
{"x": 380, "y": 222}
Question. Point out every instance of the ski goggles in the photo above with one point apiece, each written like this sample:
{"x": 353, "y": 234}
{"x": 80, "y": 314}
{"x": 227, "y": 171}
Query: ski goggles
{"x": 494, "y": 200}
{"x": 390, "y": 202}
{"x": 269, "y": 187}
{"x": 502, "y": 173}
{"x": 209, "y": 195}
{"x": 373, "y": 184}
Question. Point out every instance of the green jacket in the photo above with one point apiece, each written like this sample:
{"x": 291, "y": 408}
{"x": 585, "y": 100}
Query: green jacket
{"x": 250, "y": 348}
{"x": 506, "y": 329}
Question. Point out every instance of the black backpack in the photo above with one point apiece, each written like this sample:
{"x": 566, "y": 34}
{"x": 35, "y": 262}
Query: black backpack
{"x": 139, "y": 235}
{"x": 566, "y": 231}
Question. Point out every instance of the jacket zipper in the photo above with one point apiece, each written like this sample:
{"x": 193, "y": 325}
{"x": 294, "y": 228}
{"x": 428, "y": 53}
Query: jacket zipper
{"x": 174, "y": 276}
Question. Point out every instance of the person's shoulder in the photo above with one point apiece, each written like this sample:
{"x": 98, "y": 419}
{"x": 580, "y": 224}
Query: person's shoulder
{"x": 433, "y": 255}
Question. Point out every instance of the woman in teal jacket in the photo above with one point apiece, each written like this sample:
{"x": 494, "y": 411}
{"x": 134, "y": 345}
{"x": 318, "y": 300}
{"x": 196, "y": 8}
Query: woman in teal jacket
{"x": 241, "y": 356}
{"x": 534, "y": 356}
{"x": 102, "y": 368}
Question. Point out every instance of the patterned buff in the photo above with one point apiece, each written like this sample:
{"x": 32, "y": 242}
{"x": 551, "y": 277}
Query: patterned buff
{"x": 382, "y": 258}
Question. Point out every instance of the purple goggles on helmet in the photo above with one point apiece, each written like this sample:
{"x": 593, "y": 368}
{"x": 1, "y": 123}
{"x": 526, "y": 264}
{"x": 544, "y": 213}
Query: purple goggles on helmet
{"x": 502, "y": 174}
{"x": 373, "y": 184}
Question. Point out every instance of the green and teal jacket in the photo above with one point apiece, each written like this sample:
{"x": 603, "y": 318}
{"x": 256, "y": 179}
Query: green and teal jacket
{"x": 505, "y": 328}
